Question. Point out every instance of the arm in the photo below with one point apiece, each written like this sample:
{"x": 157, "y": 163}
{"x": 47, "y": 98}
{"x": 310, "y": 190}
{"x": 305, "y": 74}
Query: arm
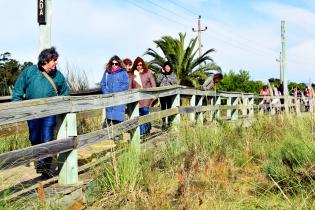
{"x": 152, "y": 79}
{"x": 159, "y": 79}
{"x": 173, "y": 79}
{"x": 19, "y": 87}
{"x": 63, "y": 90}
{"x": 103, "y": 84}
{"x": 125, "y": 83}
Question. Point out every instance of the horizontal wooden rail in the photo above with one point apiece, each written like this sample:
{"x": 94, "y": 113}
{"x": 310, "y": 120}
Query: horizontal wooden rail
{"x": 23, "y": 156}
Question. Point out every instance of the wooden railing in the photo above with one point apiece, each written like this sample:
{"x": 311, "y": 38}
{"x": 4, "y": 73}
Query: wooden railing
{"x": 220, "y": 105}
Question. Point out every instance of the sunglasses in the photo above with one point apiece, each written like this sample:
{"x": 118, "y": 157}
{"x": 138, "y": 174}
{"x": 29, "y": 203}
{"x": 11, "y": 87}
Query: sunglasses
{"x": 140, "y": 64}
{"x": 115, "y": 64}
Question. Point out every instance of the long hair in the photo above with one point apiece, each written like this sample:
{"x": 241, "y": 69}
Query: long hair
{"x": 46, "y": 56}
{"x": 114, "y": 58}
{"x": 135, "y": 63}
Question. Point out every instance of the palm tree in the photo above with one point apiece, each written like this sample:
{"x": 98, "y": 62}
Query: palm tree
{"x": 190, "y": 71}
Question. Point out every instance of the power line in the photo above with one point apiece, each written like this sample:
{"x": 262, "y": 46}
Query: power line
{"x": 153, "y": 12}
{"x": 231, "y": 40}
{"x": 188, "y": 10}
{"x": 171, "y": 11}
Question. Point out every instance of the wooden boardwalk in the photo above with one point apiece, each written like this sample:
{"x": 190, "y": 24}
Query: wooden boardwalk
{"x": 17, "y": 174}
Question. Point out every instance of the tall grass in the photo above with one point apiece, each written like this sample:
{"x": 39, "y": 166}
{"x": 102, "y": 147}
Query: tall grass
{"x": 76, "y": 78}
{"x": 218, "y": 166}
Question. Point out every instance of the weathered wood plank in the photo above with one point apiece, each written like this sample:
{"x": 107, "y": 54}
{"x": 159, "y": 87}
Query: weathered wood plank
{"x": 107, "y": 133}
{"x": 13, "y": 112}
{"x": 20, "y": 111}
{"x": 29, "y": 154}
{"x": 158, "y": 115}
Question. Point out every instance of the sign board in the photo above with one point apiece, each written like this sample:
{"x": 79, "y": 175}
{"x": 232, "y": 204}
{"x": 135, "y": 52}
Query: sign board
{"x": 41, "y": 13}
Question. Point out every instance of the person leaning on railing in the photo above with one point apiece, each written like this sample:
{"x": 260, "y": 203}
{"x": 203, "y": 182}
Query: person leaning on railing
{"x": 41, "y": 81}
{"x": 165, "y": 78}
{"x": 143, "y": 78}
{"x": 115, "y": 79}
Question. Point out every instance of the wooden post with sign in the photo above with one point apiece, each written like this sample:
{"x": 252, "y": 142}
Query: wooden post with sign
{"x": 44, "y": 22}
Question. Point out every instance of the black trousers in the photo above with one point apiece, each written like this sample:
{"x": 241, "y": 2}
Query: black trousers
{"x": 166, "y": 103}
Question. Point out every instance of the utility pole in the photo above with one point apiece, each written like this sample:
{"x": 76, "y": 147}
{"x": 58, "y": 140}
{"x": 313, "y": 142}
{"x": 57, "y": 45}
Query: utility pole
{"x": 44, "y": 20}
{"x": 283, "y": 59}
{"x": 199, "y": 30}
{"x": 281, "y": 72}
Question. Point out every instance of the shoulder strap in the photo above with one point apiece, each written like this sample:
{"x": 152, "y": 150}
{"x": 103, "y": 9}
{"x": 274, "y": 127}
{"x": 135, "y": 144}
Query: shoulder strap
{"x": 50, "y": 80}
{"x": 106, "y": 79}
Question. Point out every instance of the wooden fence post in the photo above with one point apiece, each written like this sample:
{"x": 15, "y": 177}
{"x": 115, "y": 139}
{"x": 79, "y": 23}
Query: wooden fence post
{"x": 245, "y": 103}
{"x": 176, "y": 103}
{"x": 251, "y": 102}
{"x": 68, "y": 161}
{"x": 297, "y": 105}
{"x": 229, "y": 111}
{"x": 133, "y": 110}
{"x": 234, "y": 113}
{"x": 199, "y": 115}
{"x": 286, "y": 104}
{"x": 272, "y": 107}
{"x": 192, "y": 116}
{"x": 260, "y": 104}
{"x": 217, "y": 102}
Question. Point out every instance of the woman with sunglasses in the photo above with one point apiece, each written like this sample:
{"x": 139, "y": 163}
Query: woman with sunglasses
{"x": 115, "y": 79}
{"x": 143, "y": 78}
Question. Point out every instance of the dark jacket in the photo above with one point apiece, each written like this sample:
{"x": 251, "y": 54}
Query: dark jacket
{"x": 167, "y": 79}
{"x": 32, "y": 84}
{"x": 113, "y": 83}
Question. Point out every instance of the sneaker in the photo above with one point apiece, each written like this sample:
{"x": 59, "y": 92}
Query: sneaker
{"x": 47, "y": 174}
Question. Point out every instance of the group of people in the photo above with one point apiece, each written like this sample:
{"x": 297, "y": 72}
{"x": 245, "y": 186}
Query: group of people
{"x": 304, "y": 96}
{"x": 121, "y": 75}
{"x": 44, "y": 80}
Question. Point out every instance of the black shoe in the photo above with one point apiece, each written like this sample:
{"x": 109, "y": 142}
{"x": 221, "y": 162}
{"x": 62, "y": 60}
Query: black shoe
{"x": 47, "y": 174}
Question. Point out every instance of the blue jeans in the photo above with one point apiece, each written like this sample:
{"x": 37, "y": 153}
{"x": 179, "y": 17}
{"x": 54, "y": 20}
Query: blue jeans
{"x": 41, "y": 131}
{"x": 146, "y": 127}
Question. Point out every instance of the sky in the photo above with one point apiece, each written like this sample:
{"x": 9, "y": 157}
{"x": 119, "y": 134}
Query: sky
{"x": 245, "y": 34}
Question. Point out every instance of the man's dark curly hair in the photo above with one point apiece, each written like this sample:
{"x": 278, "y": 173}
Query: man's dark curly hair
{"x": 47, "y": 55}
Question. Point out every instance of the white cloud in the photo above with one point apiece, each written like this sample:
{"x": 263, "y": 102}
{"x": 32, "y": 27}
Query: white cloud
{"x": 299, "y": 17}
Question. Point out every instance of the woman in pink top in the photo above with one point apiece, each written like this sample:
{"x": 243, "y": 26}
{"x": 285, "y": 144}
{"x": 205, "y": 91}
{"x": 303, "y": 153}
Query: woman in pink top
{"x": 143, "y": 78}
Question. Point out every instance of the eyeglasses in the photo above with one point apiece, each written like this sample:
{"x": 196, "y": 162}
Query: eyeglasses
{"x": 140, "y": 64}
{"x": 115, "y": 64}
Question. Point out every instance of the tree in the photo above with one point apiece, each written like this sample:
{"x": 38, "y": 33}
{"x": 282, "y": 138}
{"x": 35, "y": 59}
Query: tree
{"x": 9, "y": 71}
{"x": 239, "y": 82}
{"x": 190, "y": 70}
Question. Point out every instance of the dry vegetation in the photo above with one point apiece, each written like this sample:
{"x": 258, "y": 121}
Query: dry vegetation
{"x": 270, "y": 165}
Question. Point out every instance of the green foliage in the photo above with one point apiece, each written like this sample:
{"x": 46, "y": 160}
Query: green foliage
{"x": 276, "y": 82}
{"x": 190, "y": 69}
{"x": 292, "y": 85}
{"x": 9, "y": 71}
{"x": 239, "y": 82}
